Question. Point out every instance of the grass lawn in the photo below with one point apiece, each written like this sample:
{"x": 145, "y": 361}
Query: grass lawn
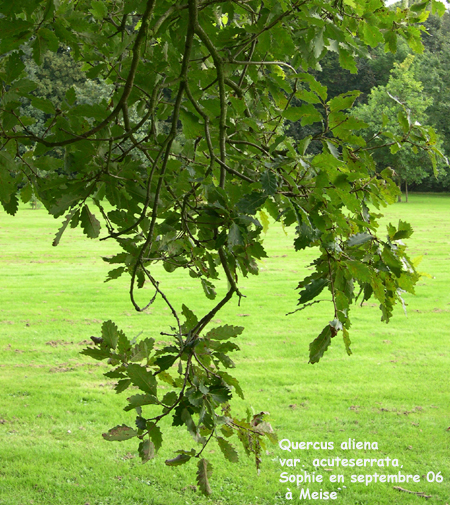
{"x": 55, "y": 404}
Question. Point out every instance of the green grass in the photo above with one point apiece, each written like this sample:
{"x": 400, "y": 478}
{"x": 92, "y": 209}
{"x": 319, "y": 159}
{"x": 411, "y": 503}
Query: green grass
{"x": 393, "y": 390}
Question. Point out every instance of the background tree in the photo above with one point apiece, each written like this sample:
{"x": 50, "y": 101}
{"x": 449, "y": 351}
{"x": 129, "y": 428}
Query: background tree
{"x": 213, "y": 83}
{"x": 393, "y": 110}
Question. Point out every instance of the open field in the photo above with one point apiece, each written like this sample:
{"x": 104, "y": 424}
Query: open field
{"x": 55, "y": 404}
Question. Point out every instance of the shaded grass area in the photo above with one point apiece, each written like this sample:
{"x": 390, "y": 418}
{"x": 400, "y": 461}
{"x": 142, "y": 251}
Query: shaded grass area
{"x": 393, "y": 390}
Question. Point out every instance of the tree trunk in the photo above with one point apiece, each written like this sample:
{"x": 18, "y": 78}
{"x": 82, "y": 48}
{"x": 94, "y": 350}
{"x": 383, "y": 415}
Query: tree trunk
{"x": 406, "y": 191}
{"x": 400, "y": 189}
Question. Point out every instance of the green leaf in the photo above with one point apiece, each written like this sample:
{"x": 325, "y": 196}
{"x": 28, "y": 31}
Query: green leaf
{"x": 7, "y": 187}
{"x": 165, "y": 362}
{"x": 142, "y": 378}
{"x": 120, "y": 433}
{"x": 347, "y": 341}
{"x": 89, "y": 223}
{"x": 235, "y": 236}
{"x": 228, "y": 450}
{"x": 146, "y": 450}
{"x": 359, "y": 239}
{"x": 12, "y": 206}
{"x": 203, "y": 474}
{"x": 307, "y": 113}
{"x": 110, "y": 334}
{"x": 225, "y": 360}
{"x": 209, "y": 289}
{"x": 191, "y": 126}
{"x": 315, "y": 85}
{"x": 269, "y": 182}
{"x": 122, "y": 385}
{"x": 303, "y": 144}
{"x": 231, "y": 381}
{"x": 71, "y": 96}
{"x": 191, "y": 318}
{"x": 344, "y": 101}
{"x": 98, "y": 9}
{"x": 43, "y": 104}
{"x": 249, "y": 204}
{"x": 136, "y": 401}
{"x": 319, "y": 345}
{"x": 372, "y": 34}
{"x": 220, "y": 394}
{"x": 155, "y": 434}
{"x": 264, "y": 218}
{"x": 312, "y": 290}
{"x": 404, "y": 231}
{"x": 181, "y": 459}
{"x": 404, "y": 121}
{"x": 98, "y": 354}
{"x": 347, "y": 60}
{"x": 224, "y": 332}
{"x": 63, "y": 227}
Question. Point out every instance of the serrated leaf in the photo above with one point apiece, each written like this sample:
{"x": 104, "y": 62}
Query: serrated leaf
{"x": 62, "y": 229}
{"x": 315, "y": 85}
{"x": 26, "y": 193}
{"x": 228, "y": 450}
{"x": 7, "y": 187}
{"x": 404, "y": 231}
{"x": 12, "y": 206}
{"x": 191, "y": 318}
{"x": 203, "y": 474}
{"x": 115, "y": 374}
{"x": 220, "y": 394}
{"x": 372, "y": 35}
{"x": 313, "y": 289}
{"x": 115, "y": 273}
{"x": 146, "y": 450}
{"x": 98, "y": 9}
{"x": 136, "y": 401}
{"x": 232, "y": 381}
{"x": 307, "y": 236}
{"x": 155, "y": 434}
{"x": 71, "y": 96}
{"x": 264, "y": 218}
{"x": 122, "y": 385}
{"x": 110, "y": 334}
{"x": 224, "y": 332}
{"x": 319, "y": 345}
{"x": 347, "y": 341}
{"x": 142, "y": 378}
{"x": 404, "y": 121}
{"x": 98, "y": 354}
{"x": 359, "y": 239}
{"x": 165, "y": 362}
{"x": 307, "y": 113}
{"x": 43, "y": 104}
{"x": 208, "y": 288}
{"x": 119, "y": 433}
{"x": 140, "y": 422}
{"x": 303, "y": 145}
{"x": 226, "y": 361}
{"x": 269, "y": 182}
{"x": 191, "y": 126}
{"x": 89, "y": 223}
{"x": 249, "y": 204}
{"x": 235, "y": 236}
{"x": 343, "y": 101}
